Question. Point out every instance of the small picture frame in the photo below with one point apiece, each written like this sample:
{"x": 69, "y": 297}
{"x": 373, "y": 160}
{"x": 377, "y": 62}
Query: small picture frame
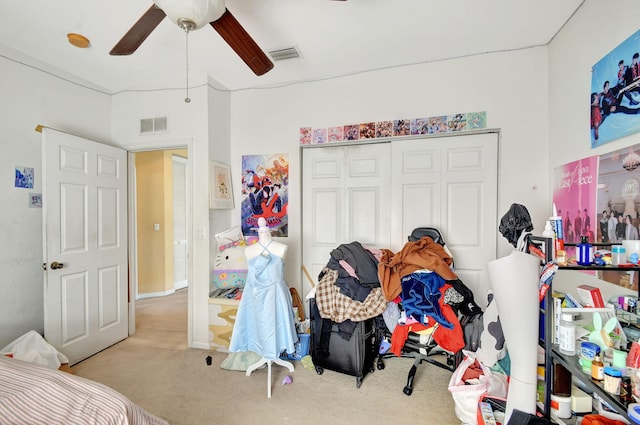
{"x": 220, "y": 191}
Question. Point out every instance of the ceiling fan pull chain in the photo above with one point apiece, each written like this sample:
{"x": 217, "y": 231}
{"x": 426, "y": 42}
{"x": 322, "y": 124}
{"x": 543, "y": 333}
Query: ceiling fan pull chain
{"x": 186, "y": 31}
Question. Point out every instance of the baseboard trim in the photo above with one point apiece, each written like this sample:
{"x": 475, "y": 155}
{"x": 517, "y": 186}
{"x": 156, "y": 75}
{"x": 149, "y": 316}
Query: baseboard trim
{"x": 155, "y": 294}
{"x": 200, "y": 345}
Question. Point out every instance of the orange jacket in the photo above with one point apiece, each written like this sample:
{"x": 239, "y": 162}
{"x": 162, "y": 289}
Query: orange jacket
{"x": 421, "y": 254}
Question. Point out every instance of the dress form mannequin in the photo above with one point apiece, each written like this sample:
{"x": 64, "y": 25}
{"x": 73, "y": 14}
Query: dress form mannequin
{"x": 265, "y": 240}
{"x": 259, "y": 326}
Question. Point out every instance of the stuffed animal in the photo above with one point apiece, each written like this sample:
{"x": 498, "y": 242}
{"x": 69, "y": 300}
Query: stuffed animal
{"x": 600, "y": 335}
{"x": 230, "y": 262}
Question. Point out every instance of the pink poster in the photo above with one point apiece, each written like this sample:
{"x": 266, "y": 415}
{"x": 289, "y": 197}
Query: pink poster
{"x": 574, "y": 196}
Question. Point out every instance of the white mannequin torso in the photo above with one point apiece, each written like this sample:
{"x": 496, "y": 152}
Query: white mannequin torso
{"x": 265, "y": 241}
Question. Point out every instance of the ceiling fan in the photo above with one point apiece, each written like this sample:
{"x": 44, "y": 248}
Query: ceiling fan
{"x": 191, "y": 15}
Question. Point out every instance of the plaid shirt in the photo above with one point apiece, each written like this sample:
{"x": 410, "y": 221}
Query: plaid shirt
{"x": 336, "y": 306}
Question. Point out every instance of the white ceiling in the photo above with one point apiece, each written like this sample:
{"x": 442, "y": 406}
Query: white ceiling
{"x": 334, "y": 37}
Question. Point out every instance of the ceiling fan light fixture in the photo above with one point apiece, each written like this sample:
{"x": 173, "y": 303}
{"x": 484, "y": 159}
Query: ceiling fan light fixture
{"x": 196, "y": 13}
{"x": 78, "y": 40}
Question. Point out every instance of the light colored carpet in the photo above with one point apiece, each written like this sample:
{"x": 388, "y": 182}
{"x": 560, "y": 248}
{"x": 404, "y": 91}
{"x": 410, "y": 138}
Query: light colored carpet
{"x": 156, "y": 370}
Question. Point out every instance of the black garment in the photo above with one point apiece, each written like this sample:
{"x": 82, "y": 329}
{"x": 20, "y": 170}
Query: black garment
{"x": 362, "y": 261}
{"x": 519, "y": 417}
{"x": 608, "y": 101}
{"x": 467, "y": 304}
{"x": 514, "y": 222}
{"x": 604, "y": 230}
{"x": 349, "y": 285}
{"x": 621, "y": 229}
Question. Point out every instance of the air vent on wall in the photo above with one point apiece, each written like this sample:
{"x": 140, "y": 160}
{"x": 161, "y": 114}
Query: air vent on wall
{"x": 283, "y": 54}
{"x": 153, "y": 125}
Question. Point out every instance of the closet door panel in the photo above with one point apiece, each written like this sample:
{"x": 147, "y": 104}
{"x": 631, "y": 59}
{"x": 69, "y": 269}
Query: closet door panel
{"x": 345, "y": 199}
{"x": 420, "y": 206}
{"x": 464, "y": 229}
{"x": 415, "y": 188}
{"x": 364, "y": 219}
{"x": 326, "y": 221}
{"x": 470, "y": 179}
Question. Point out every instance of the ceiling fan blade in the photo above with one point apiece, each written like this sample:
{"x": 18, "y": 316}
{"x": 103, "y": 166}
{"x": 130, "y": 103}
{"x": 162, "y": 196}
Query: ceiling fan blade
{"x": 242, "y": 43}
{"x": 139, "y": 32}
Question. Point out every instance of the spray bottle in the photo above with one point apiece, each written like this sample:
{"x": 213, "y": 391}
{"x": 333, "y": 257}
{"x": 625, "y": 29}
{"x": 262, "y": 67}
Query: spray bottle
{"x": 549, "y": 233}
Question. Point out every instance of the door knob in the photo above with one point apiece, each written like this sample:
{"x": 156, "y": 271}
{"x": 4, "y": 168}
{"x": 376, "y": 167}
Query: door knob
{"x": 55, "y": 265}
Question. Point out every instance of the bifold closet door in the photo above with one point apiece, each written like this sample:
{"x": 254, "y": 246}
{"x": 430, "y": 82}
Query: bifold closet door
{"x": 378, "y": 193}
{"x": 450, "y": 183}
{"x": 345, "y": 198}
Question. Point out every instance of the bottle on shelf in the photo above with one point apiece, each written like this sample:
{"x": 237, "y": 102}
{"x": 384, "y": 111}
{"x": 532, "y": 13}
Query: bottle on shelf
{"x": 597, "y": 368}
{"x": 549, "y": 233}
{"x": 567, "y": 335}
{"x": 618, "y": 255}
{"x": 584, "y": 252}
{"x": 626, "y": 394}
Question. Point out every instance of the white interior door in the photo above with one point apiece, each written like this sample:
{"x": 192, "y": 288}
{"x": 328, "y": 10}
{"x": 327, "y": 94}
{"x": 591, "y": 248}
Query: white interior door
{"x": 345, "y": 199}
{"x": 85, "y": 232}
{"x": 180, "y": 246}
{"x": 450, "y": 183}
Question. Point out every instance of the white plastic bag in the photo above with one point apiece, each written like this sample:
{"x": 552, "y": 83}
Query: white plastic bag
{"x": 466, "y": 395}
{"x": 33, "y": 348}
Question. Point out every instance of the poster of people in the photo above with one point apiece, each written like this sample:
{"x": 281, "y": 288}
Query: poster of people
{"x": 618, "y": 190}
{"x": 619, "y": 204}
{"x": 615, "y": 93}
{"x": 574, "y": 196}
{"x": 265, "y": 180}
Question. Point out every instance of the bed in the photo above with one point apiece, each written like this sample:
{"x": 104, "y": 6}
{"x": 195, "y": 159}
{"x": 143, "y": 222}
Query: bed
{"x": 34, "y": 394}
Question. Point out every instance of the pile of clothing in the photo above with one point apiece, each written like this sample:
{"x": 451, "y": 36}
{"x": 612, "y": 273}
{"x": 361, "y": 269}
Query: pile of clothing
{"x": 420, "y": 281}
{"x": 359, "y": 283}
{"x": 348, "y": 289}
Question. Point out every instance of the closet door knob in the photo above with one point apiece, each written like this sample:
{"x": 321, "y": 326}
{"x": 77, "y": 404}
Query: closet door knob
{"x": 55, "y": 265}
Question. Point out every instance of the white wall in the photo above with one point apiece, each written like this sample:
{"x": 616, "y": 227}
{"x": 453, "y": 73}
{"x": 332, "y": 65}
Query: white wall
{"x": 511, "y": 87}
{"x": 219, "y": 150}
{"x": 31, "y": 97}
{"x": 595, "y": 30}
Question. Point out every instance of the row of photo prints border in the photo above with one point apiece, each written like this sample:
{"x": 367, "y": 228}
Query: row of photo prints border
{"x": 405, "y": 127}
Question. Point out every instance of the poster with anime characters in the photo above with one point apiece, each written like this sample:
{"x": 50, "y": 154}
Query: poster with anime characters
{"x": 265, "y": 182}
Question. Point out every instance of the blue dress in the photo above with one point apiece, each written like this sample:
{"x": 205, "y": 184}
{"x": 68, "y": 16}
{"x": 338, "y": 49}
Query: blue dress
{"x": 264, "y": 321}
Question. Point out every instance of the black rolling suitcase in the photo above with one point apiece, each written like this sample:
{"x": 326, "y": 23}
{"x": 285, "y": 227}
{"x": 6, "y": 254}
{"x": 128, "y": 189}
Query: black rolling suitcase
{"x": 329, "y": 350}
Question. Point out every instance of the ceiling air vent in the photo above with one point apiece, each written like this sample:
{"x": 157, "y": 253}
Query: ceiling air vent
{"x": 153, "y": 125}
{"x": 283, "y": 54}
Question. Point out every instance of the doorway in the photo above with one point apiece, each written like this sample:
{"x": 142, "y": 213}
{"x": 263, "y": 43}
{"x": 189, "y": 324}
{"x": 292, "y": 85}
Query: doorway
{"x": 159, "y": 208}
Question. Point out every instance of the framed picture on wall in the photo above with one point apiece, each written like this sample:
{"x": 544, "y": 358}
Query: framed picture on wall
{"x": 220, "y": 193}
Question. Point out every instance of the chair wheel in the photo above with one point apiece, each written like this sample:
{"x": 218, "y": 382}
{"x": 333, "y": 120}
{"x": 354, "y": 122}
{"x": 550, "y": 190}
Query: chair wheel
{"x": 380, "y": 365}
{"x": 407, "y": 390}
{"x": 319, "y": 370}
